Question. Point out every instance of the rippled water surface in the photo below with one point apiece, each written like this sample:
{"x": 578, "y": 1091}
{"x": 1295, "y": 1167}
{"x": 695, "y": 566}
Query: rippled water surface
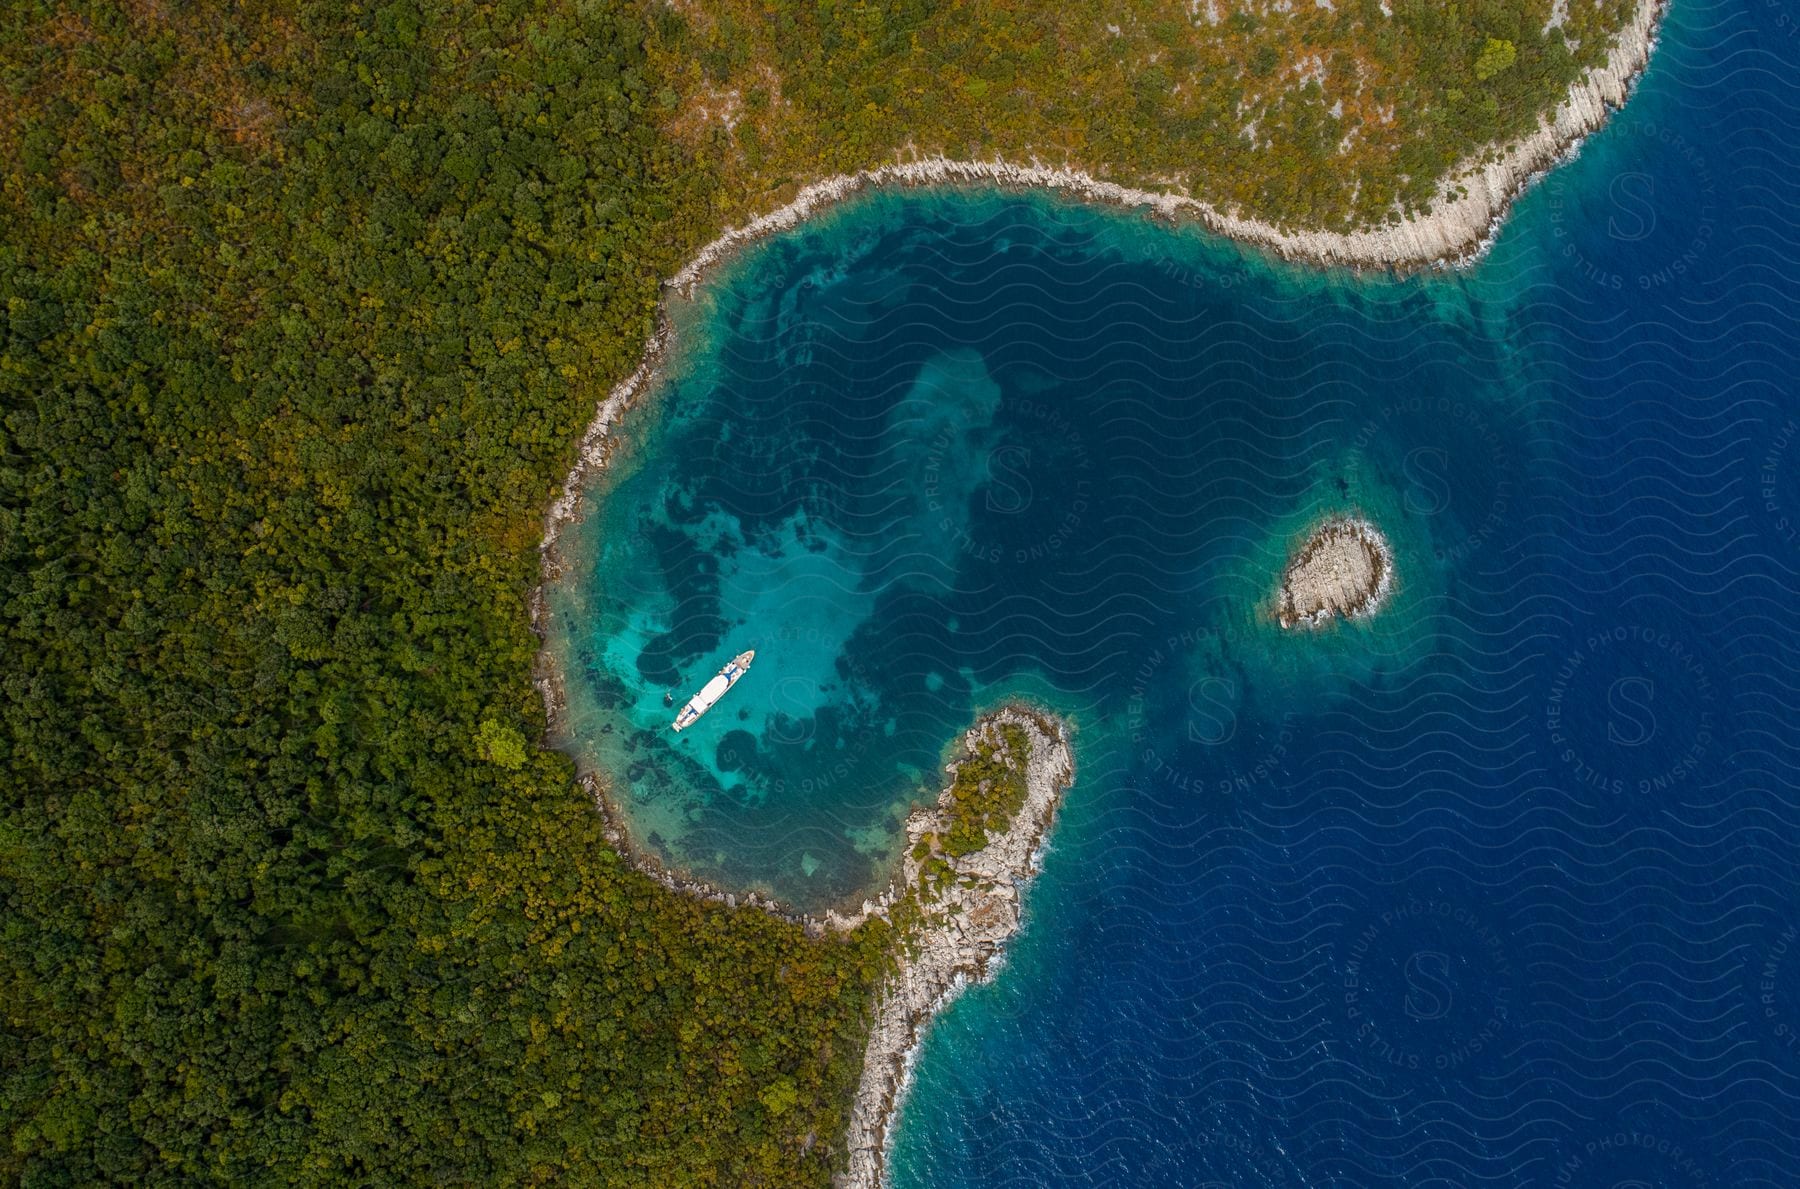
{"x": 1500, "y": 889}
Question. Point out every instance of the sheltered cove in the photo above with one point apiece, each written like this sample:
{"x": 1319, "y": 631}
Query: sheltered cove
{"x": 1344, "y": 568}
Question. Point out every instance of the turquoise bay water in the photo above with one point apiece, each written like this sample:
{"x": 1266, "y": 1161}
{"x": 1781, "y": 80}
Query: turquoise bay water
{"x": 1499, "y": 889}
{"x": 939, "y": 449}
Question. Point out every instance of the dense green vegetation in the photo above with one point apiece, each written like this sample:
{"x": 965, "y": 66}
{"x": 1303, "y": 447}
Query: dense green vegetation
{"x": 1303, "y": 114}
{"x": 302, "y": 308}
{"x": 301, "y": 318}
{"x": 988, "y": 789}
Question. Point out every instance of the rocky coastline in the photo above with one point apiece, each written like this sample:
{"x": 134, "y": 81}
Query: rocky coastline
{"x": 1459, "y": 229}
{"x": 963, "y": 931}
{"x": 948, "y": 933}
{"x": 1472, "y": 201}
{"x": 1344, "y": 569}
{"x": 591, "y": 454}
{"x": 952, "y": 930}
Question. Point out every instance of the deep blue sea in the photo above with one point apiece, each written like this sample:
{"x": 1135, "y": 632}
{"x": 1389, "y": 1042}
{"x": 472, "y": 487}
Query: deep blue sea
{"x": 1502, "y": 888}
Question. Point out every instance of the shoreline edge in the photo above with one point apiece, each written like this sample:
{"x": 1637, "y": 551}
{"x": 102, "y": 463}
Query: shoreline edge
{"x": 1473, "y": 202}
{"x": 961, "y": 930}
{"x": 1457, "y": 233}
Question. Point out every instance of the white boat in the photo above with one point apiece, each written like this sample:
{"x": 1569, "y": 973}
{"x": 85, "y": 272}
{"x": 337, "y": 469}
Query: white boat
{"x": 712, "y": 691}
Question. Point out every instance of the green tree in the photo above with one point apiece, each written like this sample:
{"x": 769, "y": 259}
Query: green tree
{"x": 1496, "y": 55}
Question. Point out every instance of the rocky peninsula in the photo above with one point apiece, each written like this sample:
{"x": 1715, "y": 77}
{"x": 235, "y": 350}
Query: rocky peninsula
{"x": 1343, "y": 569}
{"x": 952, "y": 906}
{"x": 956, "y": 901}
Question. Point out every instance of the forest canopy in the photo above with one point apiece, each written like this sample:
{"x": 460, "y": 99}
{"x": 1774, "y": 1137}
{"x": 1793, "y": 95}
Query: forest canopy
{"x": 303, "y": 308}
{"x": 1329, "y": 114}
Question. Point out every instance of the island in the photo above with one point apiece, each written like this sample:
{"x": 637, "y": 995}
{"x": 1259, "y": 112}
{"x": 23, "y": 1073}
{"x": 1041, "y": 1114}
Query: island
{"x": 1344, "y": 568}
{"x": 956, "y": 901}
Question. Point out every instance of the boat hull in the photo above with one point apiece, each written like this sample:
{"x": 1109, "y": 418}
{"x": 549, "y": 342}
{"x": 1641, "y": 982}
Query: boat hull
{"x": 713, "y": 690}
